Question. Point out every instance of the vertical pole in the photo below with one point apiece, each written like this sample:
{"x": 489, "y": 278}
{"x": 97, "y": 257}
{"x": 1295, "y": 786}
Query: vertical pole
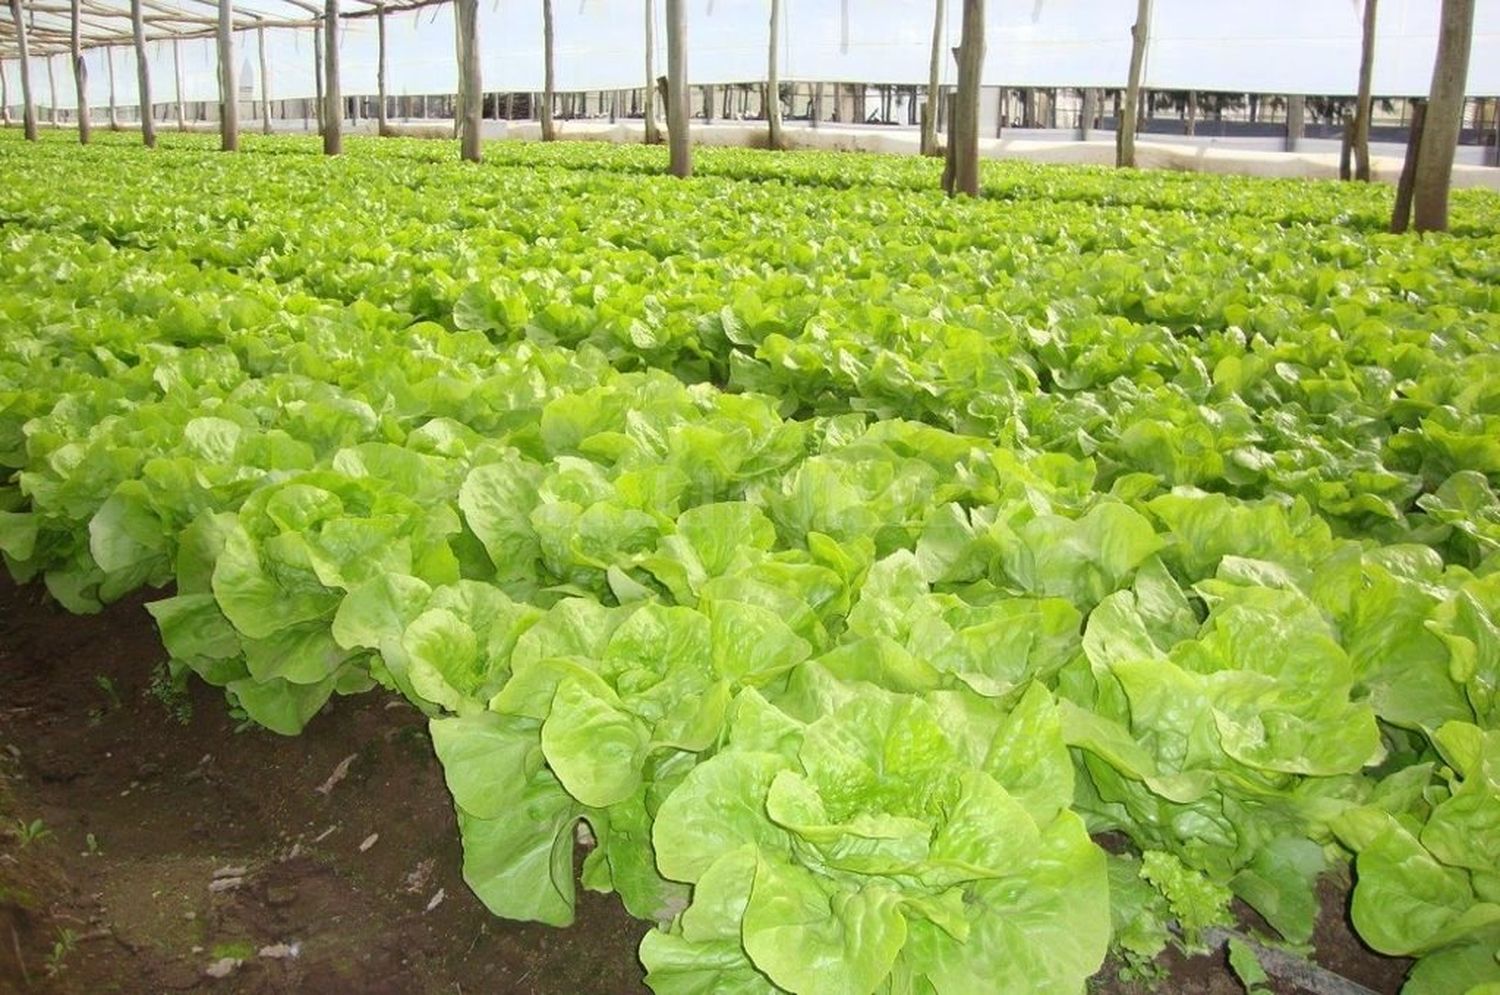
{"x": 333, "y": 105}
{"x": 471, "y": 85}
{"x": 1192, "y": 113}
{"x": 1401, "y": 216}
{"x": 4, "y": 97}
{"x": 1445, "y": 108}
{"x": 653, "y": 136}
{"x": 229, "y": 97}
{"x": 1495, "y": 132}
{"x": 80, "y": 77}
{"x": 114, "y": 111}
{"x": 817, "y": 104}
{"x": 142, "y": 74}
{"x": 677, "y": 91}
{"x": 1125, "y": 128}
{"x": 382, "y": 124}
{"x": 51, "y": 94}
{"x": 962, "y": 174}
{"x": 549, "y": 76}
{"x": 1086, "y": 113}
{"x": 1364, "y": 106}
{"x": 1296, "y": 108}
{"x": 318, "y": 102}
{"x": 177, "y": 72}
{"x": 773, "y": 79}
{"x": 265, "y": 80}
{"x": 28, "y": 105}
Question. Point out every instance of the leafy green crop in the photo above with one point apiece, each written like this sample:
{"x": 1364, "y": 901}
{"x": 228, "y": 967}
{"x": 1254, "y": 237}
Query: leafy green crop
{"x": 837, "y": 562}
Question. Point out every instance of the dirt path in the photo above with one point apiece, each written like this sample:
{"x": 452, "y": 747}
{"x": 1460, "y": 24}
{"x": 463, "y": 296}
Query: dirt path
{"x": 88, "y": 749}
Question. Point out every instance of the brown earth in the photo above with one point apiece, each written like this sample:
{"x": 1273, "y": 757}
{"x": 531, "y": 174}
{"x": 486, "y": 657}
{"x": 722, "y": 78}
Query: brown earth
{"x": 87, "y": 748}
{"x": 145, "y": 799}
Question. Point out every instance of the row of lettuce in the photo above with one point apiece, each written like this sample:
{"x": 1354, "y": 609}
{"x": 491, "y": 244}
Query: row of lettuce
{"x": 840, "y": 698}
{"x": 1203, "y": 350}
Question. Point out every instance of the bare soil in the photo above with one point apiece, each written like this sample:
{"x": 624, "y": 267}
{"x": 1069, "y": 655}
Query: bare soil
{"x": 87, "y": 748}
{"x": 145, "y": 801}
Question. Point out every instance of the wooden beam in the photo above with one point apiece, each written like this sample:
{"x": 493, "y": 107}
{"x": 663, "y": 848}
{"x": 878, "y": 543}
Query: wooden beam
{"x": 382, "y": 125}
{"x": 678, "y": 111}
{"x": 930, "y": 106}
{"x": 549, "y": 78}
{"x": 142, "y": 74}
{"x": 963, "y": 143}
{"x": 1087, "y": 112}
{"x": 333, "y": 106}
{"x": 177, "y": 73}
{"x": 229, "y": 96}
{"x": 1126, "y": 125}
{"x": 265, "y": 82}
{"x": 773, "y": 76}
{"x": 1364, "y": 105}
{"x": 52, "y": 93}
{"x": 28, "y": 108}
{"x": 648, "y": 99}
{"x": 1401, "y": 215}
{"x": 114, "y": 110}
{"x": 318, "y": 106}
{"x": 471, "y": 82}
{"x": 80, "y": 78}
{"x": 1445, "y": 109}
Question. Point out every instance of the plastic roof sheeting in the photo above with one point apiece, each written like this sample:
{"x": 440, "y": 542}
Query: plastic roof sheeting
{"x": 1266, "y": 46}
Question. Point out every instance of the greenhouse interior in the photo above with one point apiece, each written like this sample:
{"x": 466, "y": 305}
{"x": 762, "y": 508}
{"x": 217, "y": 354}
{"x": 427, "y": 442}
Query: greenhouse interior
{"x": 965, "y": 497}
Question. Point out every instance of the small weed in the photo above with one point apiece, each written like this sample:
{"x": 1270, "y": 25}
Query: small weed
{"x": 94, "y": 849}
{"x": 171, "y": 690}
{"x": 65, "y": 943}
{"x": 238, "y": 950}
{"x": 31, "y": 832}
{"x": 107, "y": 685}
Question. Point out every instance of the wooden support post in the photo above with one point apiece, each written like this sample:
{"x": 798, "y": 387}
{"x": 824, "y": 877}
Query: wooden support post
{"x": 1365, "y": 104}
{"x": 471, "y": 83}
{"x": 28, "y": 104}
{"x": 1401, "y": 216}
{"x": 962, "y": 174}
{"x": 708, "y": 104}
{"x": 80, "y": 76}
{"x": 1126, "y": 125}
{"x": 1087, "y": 112}
{"x": 1192, "y": 113}
{"x": 382, "y": 124}
{"x": 614, "y": 107}
{"x": 678, "y": 111}
{"x": 51, "y": 93}
{"x": 1495, "y": 132}
{"x": 333, "y": 106}
{"x": 229, "y": 95}
{"x": 114, "y": 110}
{"x": 1346, "y": 149}
{"x": 4, "y": 97}
{"x": 177, "y": 73}
{"x": 817, "y": 104}
{"x": 319, "y": 105}
{"x": 934, "y": 95}
{"x": 510, "y": 106}
{"x": 142, "y": 74}
{"x": 1445, "y": 108}
{"x": 653, "y": 134}
{"x": 1296, "y": 109}
{"x": 265, "y": 81}
{"x": 773, "y": 80}
{"x": 549, "y": 78}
